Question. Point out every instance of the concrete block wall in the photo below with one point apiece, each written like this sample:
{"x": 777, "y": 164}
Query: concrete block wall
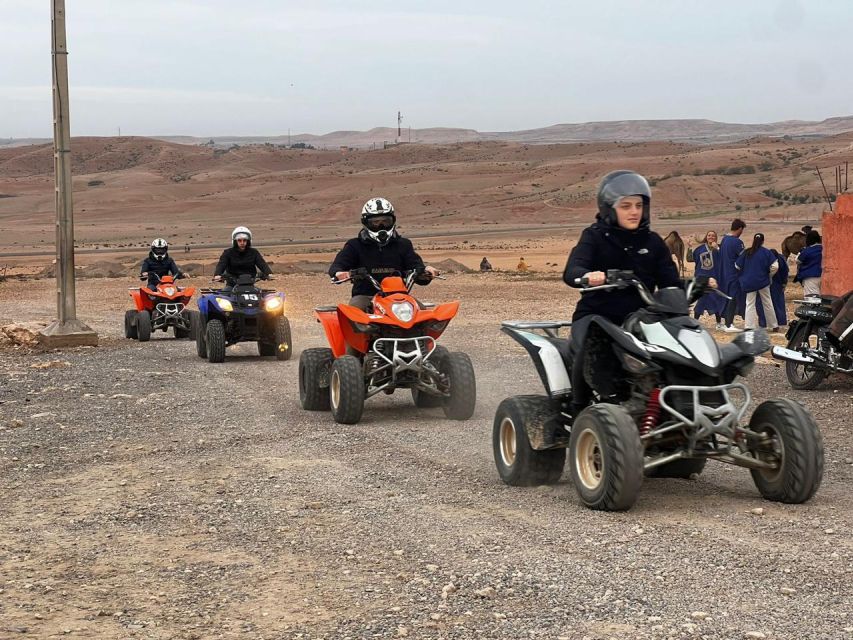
{"x": 837, "y": 237}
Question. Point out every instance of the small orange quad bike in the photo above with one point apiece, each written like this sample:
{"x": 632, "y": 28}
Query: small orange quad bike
{"x": 159, "y": 308}
{"x": 391, "y": 346}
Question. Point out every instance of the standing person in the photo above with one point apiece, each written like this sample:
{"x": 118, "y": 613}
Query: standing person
{"x": 621, "y": 239}
{"x": 731, "y": 247}
{"x": 810, "y": 264}
{"x": 757, "y": 265}
{"x": 777, "y": 293}
{"x": 380, "y": 249}
{"x": 241, "y": 259}
{"x": 707, "y": 260}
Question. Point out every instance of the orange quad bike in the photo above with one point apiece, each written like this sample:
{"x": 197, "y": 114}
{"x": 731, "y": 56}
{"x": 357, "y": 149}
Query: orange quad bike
{"x": 158, "y": 308}
{"x": 391, "y": 346}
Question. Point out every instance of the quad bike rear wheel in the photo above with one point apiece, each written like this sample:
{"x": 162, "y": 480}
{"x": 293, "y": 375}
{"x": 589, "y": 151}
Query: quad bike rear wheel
{"x": 200, "y": 338}
{"x": 143, "y": 326}
{"x": 215, "y": 341}
{"x": 459, "y": 405}
{"x": 130, "y": 324}
{"x": 346, "y": 390}
{"x": 801, "y": 376}
{"x": 795, "y": 444}
{"x": 314, "y": 373}
{"x": 606, "y": 458}
{"x": 195, "y": 322}
{"x": 425, "y": 400}
{"x": 519, "y": 464}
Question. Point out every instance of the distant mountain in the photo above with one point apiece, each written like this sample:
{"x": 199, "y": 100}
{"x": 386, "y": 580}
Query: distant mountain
{"x": 695, "y": 130}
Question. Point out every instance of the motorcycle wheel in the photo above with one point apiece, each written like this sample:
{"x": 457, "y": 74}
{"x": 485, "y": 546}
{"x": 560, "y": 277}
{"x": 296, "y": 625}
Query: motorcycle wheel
{"x": 346, "y": 390}
{"x": 801, "y": 376}
{"x": 606, "y": 458}
{"x": 519, "y": 464}
{"x": 129, "y": 324}
{"x": 143, "y": 326}
{"x": 795, "y": 443}
{"x": 215, "y": 341}
{"x": 314, "y": 365}
{"x": 463, "y": 386}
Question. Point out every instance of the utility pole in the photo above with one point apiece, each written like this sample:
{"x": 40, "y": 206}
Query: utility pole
{"x": 67, "y": 330}
{"x": 288, "y": 137}
{"x": 399, "y": 121}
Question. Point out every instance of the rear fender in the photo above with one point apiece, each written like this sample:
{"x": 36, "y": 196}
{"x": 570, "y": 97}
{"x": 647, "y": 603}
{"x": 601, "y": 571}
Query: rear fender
{"x": 792, "y": 329}
{"x": 142, "y": 302}
{"x": 626, "y": 341}
{"x": 546, "y": 357}
{"x": 332, "y": 328}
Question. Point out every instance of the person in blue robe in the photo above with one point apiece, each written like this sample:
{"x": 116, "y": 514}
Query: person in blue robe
{"x": 730, "y": 248}
{"x": 706, "y": 258}
{"x": 777, "y": 293}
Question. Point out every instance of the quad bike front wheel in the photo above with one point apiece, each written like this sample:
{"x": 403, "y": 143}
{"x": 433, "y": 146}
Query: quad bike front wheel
{"x": 519, "y": 464}
{"x": 606, "y": 458}
{"x": 425, "y": 400}
{"x": 800, "y": 375}
{"x": 459, "y": 405}
{"x": 181, "y": 333}
{"x": 130, "y": 324}
{"x": 346, "y": 390}
{"x": 195, "y": 322}
{"x": 215, "y": 341}
{"x": 200, "y": 338}
{"x": 793, "y": 444}
{"x": 143, "y": 326}
{"x": 283, "y": 340}
{"x": 314, "y": 374}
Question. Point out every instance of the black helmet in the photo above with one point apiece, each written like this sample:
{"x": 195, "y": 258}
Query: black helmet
{"x": 619, "y": 184}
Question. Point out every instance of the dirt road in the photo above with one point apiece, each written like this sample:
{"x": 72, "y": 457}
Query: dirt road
{"x": 149, "y": 494}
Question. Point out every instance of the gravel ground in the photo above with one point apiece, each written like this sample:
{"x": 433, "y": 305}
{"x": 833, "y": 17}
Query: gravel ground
{"x": 149, "y": 494}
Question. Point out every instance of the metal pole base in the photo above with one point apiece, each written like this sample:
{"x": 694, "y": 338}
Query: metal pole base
{"x": 67, "y": 334}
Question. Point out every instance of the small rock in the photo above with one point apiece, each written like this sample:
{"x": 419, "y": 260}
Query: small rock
{"x": 758, "y": 511}
{"x": 14, "y": 424}
{"x": 398, "y": 552}
{"x": 432, "y": 568}
{"x": 699, "y": 615}
{"x": 829, "y": 532}
{"x": 487, "y": 592}
{"x": 403, "y": 632}
{"x": 447, "y": 589}
{"x": 788, "y": 591}
{"x": 754, "y": 635}
{"x": 654, "y": 619}
{"x": 436, "y": 616}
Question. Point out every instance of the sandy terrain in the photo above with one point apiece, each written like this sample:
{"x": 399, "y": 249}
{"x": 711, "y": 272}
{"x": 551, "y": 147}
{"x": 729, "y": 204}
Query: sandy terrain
{"x": 149, "y": 494}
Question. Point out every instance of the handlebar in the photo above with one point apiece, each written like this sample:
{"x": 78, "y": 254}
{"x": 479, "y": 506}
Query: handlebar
{"x": 618, "y": 279}
{"x": 408, "y": 276}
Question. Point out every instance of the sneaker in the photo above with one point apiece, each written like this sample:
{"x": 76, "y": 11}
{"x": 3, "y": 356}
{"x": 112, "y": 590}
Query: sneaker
{"x": 720, "y": 326}
{"x": 732, "y": 329}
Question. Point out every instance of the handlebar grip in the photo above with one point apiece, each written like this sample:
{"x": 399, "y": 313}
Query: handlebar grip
{"x": 582, "y": 281}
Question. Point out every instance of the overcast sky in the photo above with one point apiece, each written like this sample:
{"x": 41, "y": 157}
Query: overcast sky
{"x": 259, "y": 67}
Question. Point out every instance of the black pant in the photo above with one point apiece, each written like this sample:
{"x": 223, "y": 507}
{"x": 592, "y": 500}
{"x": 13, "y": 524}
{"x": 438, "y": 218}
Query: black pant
{"x": 581, "y": 393}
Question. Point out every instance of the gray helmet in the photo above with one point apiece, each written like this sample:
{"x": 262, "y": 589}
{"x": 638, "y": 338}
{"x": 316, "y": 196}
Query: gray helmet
{"x": 617, "y": 185}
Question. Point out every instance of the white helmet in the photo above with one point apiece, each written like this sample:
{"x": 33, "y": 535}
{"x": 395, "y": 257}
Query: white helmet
{"x": 159, "y": 248}
{"x": 379, "y": 220}
{"x": 241, "y": 232}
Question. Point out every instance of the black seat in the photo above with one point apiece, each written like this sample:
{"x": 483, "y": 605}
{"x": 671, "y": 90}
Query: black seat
{"x": 328, "y": 307}
{"x": 729, "y": 352}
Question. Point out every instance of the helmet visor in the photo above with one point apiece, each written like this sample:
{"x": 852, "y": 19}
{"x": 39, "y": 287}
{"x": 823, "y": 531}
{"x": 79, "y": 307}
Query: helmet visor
{"x": 380, "y": 223}
{"x": 159, "y": 251}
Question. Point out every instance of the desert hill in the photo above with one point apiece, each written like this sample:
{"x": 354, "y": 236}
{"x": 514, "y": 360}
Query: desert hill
{"x": 128, "y": 189}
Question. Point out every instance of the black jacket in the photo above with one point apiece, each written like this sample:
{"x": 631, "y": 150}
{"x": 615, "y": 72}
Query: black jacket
{"x": 161, "y": 268}
{"x": 236, "y": 263}
{"x": 602, "y": 247}
{"x": 361, "y": 252}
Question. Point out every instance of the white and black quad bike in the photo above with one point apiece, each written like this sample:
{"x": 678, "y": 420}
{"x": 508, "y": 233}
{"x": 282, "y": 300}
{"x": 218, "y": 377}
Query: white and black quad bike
{"x": 665, "y": 400}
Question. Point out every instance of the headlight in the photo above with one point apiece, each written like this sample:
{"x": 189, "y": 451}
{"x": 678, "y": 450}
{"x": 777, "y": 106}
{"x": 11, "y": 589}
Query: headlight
{"x": 224, "y": 304}
{"x": 169, "y": 291}
{"x": 403, "y": 310}
{"x": 271, "y": 304}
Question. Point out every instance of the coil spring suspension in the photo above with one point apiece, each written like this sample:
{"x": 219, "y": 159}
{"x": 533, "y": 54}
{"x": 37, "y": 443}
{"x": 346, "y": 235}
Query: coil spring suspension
{"x": 652, "y": 416}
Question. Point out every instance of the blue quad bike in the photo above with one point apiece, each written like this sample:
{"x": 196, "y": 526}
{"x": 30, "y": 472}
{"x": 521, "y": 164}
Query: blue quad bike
{"x": 243, "y": 313}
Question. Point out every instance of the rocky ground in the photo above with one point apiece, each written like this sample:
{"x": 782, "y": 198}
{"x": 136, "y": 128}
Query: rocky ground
{"x": 149, "y": 494}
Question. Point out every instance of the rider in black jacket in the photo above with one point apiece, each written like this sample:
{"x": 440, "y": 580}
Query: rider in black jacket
{"x": 619, "y": 239}
{"x": 380, "y": 249}
{"x": 159, "y": 263}
{"x": 241, "y": 259}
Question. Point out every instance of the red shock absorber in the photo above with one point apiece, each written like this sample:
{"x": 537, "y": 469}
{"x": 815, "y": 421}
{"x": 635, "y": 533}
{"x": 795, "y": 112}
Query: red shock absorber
{"x": 650, "y": 420}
